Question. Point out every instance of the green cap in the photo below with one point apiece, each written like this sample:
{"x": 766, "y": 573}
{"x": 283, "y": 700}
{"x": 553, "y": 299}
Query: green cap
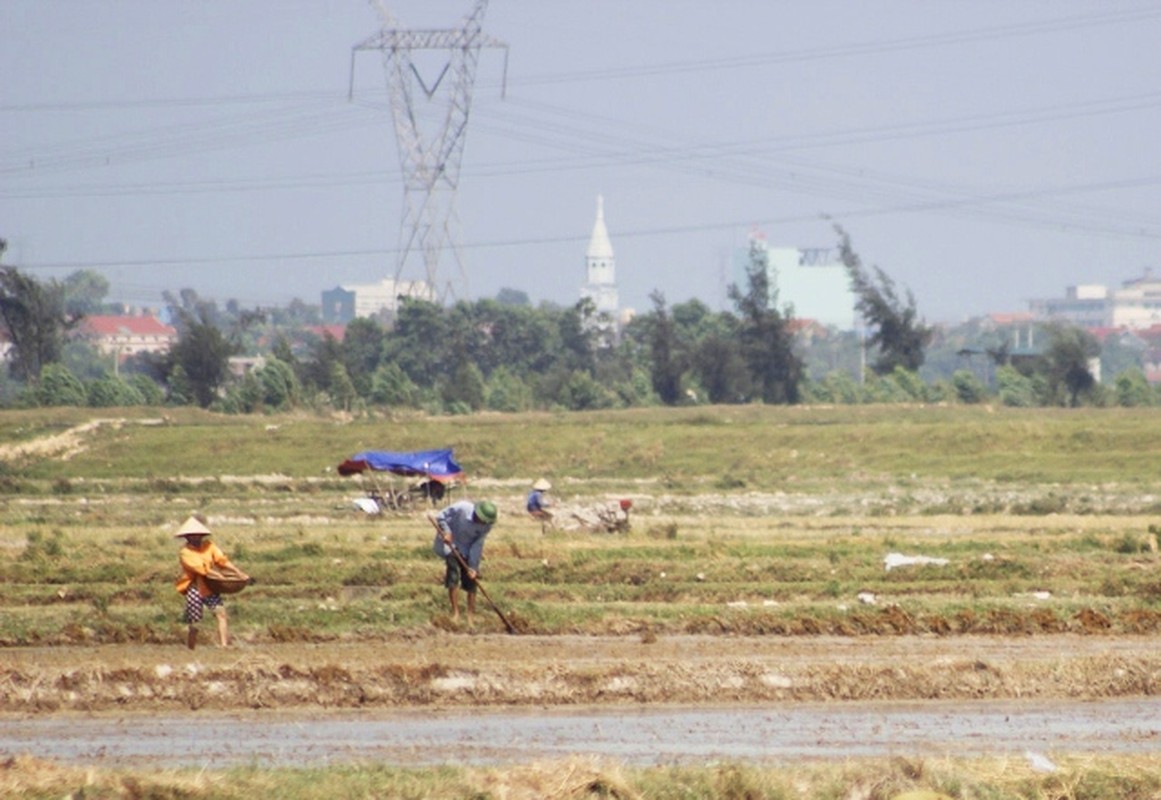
{"x": 486, "y": 512}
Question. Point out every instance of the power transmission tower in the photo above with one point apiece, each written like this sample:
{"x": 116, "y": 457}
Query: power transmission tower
{"x": 431, "y": 146}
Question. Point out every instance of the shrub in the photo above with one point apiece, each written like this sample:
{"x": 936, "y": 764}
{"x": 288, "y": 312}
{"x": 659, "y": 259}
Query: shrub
{"x": 109, "y": 391}
{"x": 59, "y": 387}
{"x": 968, "y": 388}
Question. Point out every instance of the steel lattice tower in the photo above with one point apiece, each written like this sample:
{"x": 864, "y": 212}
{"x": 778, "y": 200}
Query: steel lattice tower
{"x": 430, "y": 152}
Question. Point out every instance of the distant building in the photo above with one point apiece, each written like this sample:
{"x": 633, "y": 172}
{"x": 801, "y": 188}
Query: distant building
{"x": 1086, "y": 306}
{"x": 1006, "y": 319}
{"x": 125, "y": 336}
{"x": 812, "y": 280}
{"x": 601, "y": 268}
{"x": 1136, "y": 305}
{"x": 345, "y": 303}
{"x": 335, "y": 331}
{"x": 240, "y": 366}
{"x": 1019, "y": 324}
{"x": 1151, "y": 353}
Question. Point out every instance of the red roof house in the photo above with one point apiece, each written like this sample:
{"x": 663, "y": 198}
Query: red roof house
{"x": 128, "y": 335}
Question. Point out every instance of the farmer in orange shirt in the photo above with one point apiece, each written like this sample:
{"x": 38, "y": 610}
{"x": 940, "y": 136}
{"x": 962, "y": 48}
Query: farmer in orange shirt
{"x": 197, "y": 557}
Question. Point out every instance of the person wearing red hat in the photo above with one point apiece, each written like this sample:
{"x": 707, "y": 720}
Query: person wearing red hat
{"x": 197, "y": 557}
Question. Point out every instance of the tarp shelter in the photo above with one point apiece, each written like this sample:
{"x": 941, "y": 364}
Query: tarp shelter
{"x": 436, "y": 465}
{"x": 437, "y": 468}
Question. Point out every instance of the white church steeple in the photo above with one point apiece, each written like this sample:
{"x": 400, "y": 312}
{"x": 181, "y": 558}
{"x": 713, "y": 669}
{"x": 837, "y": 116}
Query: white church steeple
{"x": 601, "y": 267}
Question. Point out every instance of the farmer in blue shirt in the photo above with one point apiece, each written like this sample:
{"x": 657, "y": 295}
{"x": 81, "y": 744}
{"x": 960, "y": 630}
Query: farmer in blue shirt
{"x": 538, "y": 503}
{"x": 461, "y": 529}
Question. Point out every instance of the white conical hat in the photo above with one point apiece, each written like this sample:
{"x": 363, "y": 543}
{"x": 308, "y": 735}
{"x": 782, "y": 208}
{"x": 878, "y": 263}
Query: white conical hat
{"x": 542, "y": 485}
{"x": 192, "y": 526}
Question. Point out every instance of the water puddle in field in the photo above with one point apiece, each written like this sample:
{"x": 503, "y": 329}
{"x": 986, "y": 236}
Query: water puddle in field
{"x": 643, "y": 736}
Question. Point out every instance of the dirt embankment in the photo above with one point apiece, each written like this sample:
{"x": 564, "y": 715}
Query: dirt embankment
{"x": 66, "y": 444}
{"x": 493, "y": 670}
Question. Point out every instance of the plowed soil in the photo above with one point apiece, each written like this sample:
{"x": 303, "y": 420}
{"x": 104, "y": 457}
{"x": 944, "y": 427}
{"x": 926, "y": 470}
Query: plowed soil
{"x": 444, "y": 669}
{"x": 640, "y": 699}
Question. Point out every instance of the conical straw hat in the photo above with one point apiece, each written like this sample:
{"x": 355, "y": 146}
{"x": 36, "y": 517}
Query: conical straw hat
{"x": 191, "y": 527}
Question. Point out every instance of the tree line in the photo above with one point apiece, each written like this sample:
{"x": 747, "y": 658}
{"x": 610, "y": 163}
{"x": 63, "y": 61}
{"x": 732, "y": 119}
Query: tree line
{"x": 504, "y": 354}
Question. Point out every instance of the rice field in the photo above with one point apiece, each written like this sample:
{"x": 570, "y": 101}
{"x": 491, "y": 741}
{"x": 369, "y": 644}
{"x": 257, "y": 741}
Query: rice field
{"x": 1016, "y": 550}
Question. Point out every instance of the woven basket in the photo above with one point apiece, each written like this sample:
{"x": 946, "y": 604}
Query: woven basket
{"x": 227, "y": 580}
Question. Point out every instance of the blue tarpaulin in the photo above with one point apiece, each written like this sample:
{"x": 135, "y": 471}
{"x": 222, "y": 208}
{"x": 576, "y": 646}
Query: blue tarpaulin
{"x": 438, "y": 465}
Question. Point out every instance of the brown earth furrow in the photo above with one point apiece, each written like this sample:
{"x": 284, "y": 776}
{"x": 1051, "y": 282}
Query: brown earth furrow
{"x": 493, "y": 670}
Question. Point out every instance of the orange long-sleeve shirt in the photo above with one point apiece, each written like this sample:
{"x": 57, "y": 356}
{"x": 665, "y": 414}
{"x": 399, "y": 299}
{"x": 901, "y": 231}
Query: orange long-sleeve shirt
{"x": 195, "y": 563}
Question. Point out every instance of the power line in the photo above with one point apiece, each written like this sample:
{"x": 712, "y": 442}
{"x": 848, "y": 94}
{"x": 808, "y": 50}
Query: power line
{"x": 831, "y": 51}
{"x": 666, "y": 230}
{"x": 852, "y": 49}
{"x": 827, "y": 52}
{"x": 180, "y": 139}
{"x": 740, "y": 162}
{"x": 169, "y": 103}
{"x": 628, "y": 152}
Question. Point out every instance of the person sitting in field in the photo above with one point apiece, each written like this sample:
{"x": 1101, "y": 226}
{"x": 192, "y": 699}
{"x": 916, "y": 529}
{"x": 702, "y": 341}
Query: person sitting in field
{"x": 538, "y": 503}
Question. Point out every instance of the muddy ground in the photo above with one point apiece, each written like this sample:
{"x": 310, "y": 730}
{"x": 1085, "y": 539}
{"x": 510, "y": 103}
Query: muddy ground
{"x": 637, "y": 698}
{"x": 438, "y": 669}
{"x": 640, "y": 735}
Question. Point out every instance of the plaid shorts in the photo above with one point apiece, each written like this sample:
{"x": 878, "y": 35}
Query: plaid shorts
{"x": 194, "y": 602}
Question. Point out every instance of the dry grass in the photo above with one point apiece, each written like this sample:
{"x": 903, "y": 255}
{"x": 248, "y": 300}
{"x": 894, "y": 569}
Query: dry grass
{"x": 1011, "y": 778}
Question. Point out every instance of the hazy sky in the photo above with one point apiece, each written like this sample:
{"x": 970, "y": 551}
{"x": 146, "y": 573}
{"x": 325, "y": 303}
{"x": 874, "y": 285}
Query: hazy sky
{"x": 982, "y": 153}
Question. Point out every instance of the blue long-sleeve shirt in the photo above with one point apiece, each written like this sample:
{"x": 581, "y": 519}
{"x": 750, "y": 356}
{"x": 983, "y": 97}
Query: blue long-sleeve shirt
{"x": 536, "y": 501}
{"x": 467, "y": 534}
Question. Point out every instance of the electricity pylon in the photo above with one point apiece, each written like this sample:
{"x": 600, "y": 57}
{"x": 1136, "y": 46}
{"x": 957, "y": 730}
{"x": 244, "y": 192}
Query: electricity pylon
{"x": 430, "y": 149}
